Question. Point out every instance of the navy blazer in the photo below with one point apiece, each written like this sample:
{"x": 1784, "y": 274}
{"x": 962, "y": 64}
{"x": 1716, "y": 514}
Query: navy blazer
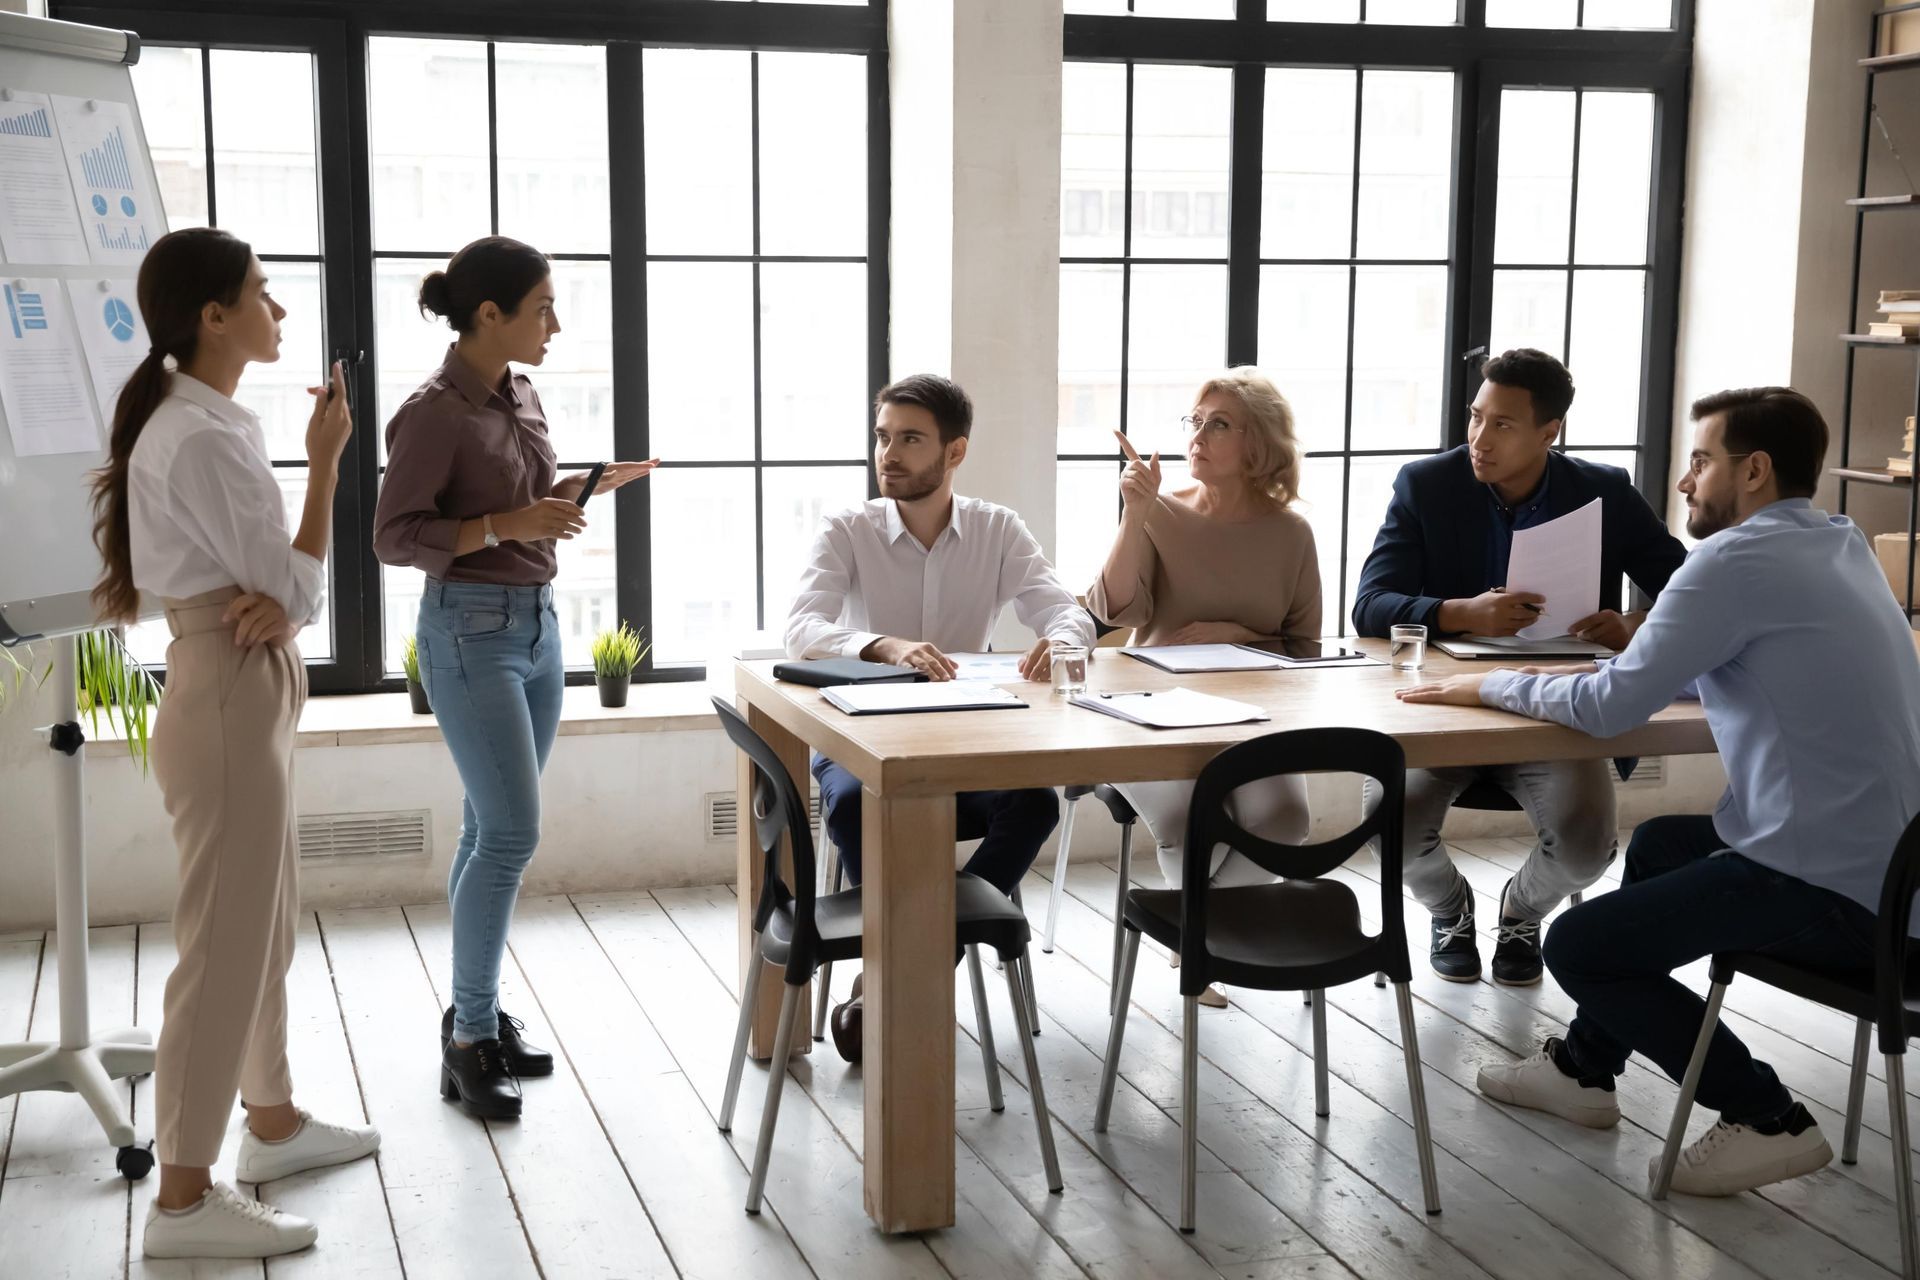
{"x": 1435, "y": 544}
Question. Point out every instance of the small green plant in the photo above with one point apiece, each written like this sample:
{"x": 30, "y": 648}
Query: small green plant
{"x": 15, "y": 674}
{"x": 410, "y": 659}
{"x": 111, "y": 679}
{"x": 618, "y": 652}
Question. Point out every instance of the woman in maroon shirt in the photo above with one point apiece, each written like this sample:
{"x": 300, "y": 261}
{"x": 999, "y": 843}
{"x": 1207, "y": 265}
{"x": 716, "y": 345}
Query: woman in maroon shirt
{"x": 471, "y": 499}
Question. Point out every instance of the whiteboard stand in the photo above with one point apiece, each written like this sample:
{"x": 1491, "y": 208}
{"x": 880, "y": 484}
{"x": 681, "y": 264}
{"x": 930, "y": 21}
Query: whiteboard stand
{"x": 78, "y": 1062}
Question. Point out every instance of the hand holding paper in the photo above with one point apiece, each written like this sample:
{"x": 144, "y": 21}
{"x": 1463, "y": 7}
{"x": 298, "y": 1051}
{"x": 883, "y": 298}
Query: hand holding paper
{"x": 1559, "y": 560}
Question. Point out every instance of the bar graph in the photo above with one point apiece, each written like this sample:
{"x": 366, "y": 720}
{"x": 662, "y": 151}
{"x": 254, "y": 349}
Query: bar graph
{"x": 106, "y": 165}
{"x": 34, "y": 124}
{"x": 25, "y": 311}
{"x": 128, "y": 238}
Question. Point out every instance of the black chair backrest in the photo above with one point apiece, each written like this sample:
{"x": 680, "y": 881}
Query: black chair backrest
{"x": 1361, "y": 751}
{"x": 779, "y": 808}
{"x": 1891, "y": 946}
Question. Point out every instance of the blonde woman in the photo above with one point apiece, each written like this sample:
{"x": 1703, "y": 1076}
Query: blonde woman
{"x": 1223, "y": 560}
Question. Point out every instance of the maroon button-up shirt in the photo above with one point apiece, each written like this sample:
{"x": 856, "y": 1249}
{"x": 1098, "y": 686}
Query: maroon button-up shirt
{"x": 458, "y": 450}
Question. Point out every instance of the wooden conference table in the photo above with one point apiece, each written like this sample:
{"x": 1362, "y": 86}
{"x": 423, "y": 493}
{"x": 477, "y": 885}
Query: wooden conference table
{"x": 911, "y": 767}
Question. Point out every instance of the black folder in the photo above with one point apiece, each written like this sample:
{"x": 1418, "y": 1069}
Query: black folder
{"x": 823, "y": 672}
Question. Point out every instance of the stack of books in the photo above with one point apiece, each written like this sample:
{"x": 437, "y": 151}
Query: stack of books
{"x": 1899, "y": 315}
{"x": 1902, "y": 464}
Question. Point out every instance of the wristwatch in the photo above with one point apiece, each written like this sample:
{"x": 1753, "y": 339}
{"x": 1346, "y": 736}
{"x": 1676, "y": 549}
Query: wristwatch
{"x": 486, "y": 527}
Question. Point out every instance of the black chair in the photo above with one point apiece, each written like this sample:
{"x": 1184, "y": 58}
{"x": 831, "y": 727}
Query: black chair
{"x": 801, "y": 932}
{"x": 1123, "y": 814}
{"x": 1879, "y": 1000}
{"x": 1300, "y": 934}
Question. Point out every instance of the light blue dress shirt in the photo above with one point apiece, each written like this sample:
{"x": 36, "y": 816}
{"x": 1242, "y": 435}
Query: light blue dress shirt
{"x": 1806, "y": 669}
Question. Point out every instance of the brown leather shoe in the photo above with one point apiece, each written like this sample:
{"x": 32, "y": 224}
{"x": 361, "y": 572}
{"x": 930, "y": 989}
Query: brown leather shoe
{"x": 846, "y": 1021}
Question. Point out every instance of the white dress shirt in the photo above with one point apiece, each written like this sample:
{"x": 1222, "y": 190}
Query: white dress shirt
{"x": 869, "y": 577}
{"x": 204, "y": 510}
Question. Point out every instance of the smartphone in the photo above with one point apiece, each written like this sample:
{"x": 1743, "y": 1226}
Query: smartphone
{"x": 347, "y": 361}
{"x": 586, "y": 489}
{"x": 1301, "y": 650}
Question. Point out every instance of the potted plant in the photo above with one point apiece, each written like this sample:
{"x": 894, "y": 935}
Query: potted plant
{"x": 615, "y": 654}
{"x": 107, "y": 679}
{"x": 410, "y": 663}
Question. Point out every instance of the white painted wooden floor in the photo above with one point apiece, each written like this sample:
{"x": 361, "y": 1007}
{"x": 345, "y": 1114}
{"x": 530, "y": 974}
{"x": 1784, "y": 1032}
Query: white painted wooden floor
{"x": 617, "y": 1169}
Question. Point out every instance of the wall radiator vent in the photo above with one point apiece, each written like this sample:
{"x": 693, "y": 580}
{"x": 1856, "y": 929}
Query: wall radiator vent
{"x": 406, "y": 833}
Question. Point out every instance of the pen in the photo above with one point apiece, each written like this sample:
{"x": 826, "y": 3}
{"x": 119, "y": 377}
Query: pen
{"x": 1129, "y": 693}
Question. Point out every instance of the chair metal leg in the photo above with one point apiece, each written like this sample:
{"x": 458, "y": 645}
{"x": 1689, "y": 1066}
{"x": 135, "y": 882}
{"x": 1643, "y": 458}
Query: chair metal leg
{"x": 1417, "y": 1092}
{"x": 1059, "y": 875}
{"x": 739, "y": 1060}
{"x": 1683, "y": 1109}
{"x": 1379, "y": 979}
{"x": 1856, "y": 1090}
{"x": 1122, "y": 883}
{"x": 1318, "y": 999}
{"x": 1026, "y": 972}
{"x": 989, "y": 1058}
{"x": 1111, "y": 1067}
{"x": 1189, "y": 1108}
{"x": 776, "y": 1081}
{"x": 1306, "y": 998}
{"x": 1576, "y": 897}
{"x": 1044, "y": 1121}
{"x": 1902, "y": 1163}
{"x": 824, "y": 977}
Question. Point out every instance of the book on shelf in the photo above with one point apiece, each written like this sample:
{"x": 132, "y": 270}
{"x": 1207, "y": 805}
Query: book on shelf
{"x": 1888, "y": 329}
{"x": 1901, "y": 465}
{"x": 1909, "y": 296}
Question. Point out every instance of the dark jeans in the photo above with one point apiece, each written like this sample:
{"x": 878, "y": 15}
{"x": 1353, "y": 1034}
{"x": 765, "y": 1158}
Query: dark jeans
{"x": 1685, "y": 895}
{"x": 1014, "y": 823}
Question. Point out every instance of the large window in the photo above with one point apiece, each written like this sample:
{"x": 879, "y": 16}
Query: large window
{"x": 710, "y": 184}
{"x": 1362, "y": 198}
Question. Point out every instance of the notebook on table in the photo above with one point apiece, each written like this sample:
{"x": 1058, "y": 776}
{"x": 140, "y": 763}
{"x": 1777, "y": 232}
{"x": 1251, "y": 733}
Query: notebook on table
{"x": 822, "y": 672}
{"x": 936, "y": 695}
{"x": 1495, "y": 648}
{"x": 1177, "y": 708}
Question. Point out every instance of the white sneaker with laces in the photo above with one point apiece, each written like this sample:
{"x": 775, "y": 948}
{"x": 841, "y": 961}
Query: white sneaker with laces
{"x": 316, "y": 1144}
{"x": 1539, "y": 1084}
{"x": 225, "y": 1224}
{"x": 1731, "y": 1158}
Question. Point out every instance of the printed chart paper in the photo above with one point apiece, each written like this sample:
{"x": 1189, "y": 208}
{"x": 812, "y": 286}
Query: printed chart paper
{"x": 112, "y": 184}
{"x": 112, "y": 335}
{"x": 38, "y": 222}
{"x": 43, "y": 380}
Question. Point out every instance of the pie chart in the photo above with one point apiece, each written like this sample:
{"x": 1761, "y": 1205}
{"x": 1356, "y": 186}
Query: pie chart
{"x": 100, "y": 204}
{"x": 126, "y": 205}
{"x": 119, "y": 319}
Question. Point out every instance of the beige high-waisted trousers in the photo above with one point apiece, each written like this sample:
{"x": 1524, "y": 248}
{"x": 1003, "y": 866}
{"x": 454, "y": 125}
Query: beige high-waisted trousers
{"x": 223, "y": 755}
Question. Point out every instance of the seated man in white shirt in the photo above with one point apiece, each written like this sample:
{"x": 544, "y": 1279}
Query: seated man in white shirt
{"x": 920, "y": 573}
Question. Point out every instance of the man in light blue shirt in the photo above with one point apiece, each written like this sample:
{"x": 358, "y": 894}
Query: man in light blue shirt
{"x": 1782, "y": 623}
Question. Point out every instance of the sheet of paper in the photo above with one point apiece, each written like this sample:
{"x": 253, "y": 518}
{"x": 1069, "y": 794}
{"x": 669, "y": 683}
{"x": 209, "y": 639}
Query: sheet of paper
{"x": 38, "y": 220}
{"x": 1178, "y": 708}
{"x": 1561, "y": 561}
{"x": 1184, "y": 658}
{"x": 932, "y": 695}
{"x": 112, "y": 335}
{"x": 43, "y": 379}
{"x": 111, "y": 179}
{"x": 994, "y": 668}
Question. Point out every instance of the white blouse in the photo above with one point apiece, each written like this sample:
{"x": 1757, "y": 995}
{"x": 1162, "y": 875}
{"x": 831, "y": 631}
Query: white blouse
{"x": 204, "y": 510}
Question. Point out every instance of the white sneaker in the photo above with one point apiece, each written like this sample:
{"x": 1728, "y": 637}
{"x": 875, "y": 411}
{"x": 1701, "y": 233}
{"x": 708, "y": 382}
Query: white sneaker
{"x": 1538, "y": 1083}
{"x": 1731, "y": 1158}
{"x": 314, "y": 1145}
{"x": 225, "y": 1224}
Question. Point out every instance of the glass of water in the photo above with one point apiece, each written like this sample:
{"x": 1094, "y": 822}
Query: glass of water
{"x": 1407, "y": 646}
{"x": 1069, "y": 668}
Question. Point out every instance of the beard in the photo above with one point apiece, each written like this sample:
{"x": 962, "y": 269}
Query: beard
{"x": 914, "y": 485}
{"x": 1707, "y": 519}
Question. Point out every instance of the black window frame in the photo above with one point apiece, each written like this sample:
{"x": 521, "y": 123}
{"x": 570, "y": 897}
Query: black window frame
{"x": 336, "y": 34}
{"x": 1484, "y": 60}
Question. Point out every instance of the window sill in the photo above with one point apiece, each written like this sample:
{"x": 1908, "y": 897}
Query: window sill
{"x": 380, "y": 719}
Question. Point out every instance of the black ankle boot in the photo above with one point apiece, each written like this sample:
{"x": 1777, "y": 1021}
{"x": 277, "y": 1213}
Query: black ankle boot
{"x": 525, "y": 1059}
{"x": 481, "y": 1079}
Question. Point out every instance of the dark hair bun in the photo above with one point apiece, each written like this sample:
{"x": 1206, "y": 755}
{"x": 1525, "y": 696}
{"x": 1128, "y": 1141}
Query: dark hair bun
{"x": 434, "y": 295}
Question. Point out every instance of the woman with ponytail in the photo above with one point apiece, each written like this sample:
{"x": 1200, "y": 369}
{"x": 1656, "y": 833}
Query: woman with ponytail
{"x": 187, "y": 510}
{"x": 471, "y": 499}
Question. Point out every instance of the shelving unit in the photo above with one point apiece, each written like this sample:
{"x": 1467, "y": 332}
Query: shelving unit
{"x": 1877, "y": 65}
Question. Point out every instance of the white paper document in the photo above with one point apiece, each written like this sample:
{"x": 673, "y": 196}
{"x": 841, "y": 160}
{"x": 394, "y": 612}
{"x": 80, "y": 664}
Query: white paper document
{"x": 38, "y": 220}
{"x": 112, "y": 335}
{"x": 1184, "y": 659}
{"x": 1178, "y": 708}
{"x": 994, "y": 668}
{"x": 111, "y": 181}
{"x": 43, "y": 380}
{"x": 1561, "y": 561}
{"x": 931, "y": 695}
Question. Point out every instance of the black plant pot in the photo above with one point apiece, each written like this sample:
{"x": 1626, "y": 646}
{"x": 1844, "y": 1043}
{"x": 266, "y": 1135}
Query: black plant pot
{"x": 417, "y": 694}
{"x": 613, "y": 689}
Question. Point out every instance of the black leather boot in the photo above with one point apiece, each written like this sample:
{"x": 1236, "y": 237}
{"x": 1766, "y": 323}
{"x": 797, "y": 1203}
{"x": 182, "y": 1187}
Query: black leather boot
{"x": 525, "y": 1059}
{"x": 479, "y": 1077}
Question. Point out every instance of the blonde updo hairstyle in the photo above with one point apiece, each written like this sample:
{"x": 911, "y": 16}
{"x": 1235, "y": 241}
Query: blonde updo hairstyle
{"x": 1273, "y": 454}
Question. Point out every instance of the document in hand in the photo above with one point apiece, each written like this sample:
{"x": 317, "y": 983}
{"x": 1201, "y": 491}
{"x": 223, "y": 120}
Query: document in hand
{"x": 937, "y": 695}
{"x": 1177, "y": 708}
{"x": 1184, "y": 659}
{"x": 1561, "y": 561}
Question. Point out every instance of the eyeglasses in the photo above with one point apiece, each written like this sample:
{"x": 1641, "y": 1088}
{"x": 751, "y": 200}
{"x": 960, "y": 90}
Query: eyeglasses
{"x": 1216, "y": 428}
{"x": 1699, "y": 461}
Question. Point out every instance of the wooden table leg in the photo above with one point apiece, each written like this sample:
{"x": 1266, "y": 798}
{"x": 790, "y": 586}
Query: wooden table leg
{"x": 752, "y": 874}
{"x": 907, "y": 1059}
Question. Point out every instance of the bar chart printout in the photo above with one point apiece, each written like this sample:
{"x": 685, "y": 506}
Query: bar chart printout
{"x": 38, "y": 220}
{"x": 111, "y": 183}
{"x": 43, "y": 376}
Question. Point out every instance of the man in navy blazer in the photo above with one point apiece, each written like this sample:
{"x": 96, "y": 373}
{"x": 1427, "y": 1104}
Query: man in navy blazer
{"x": 1441, "y": 560}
